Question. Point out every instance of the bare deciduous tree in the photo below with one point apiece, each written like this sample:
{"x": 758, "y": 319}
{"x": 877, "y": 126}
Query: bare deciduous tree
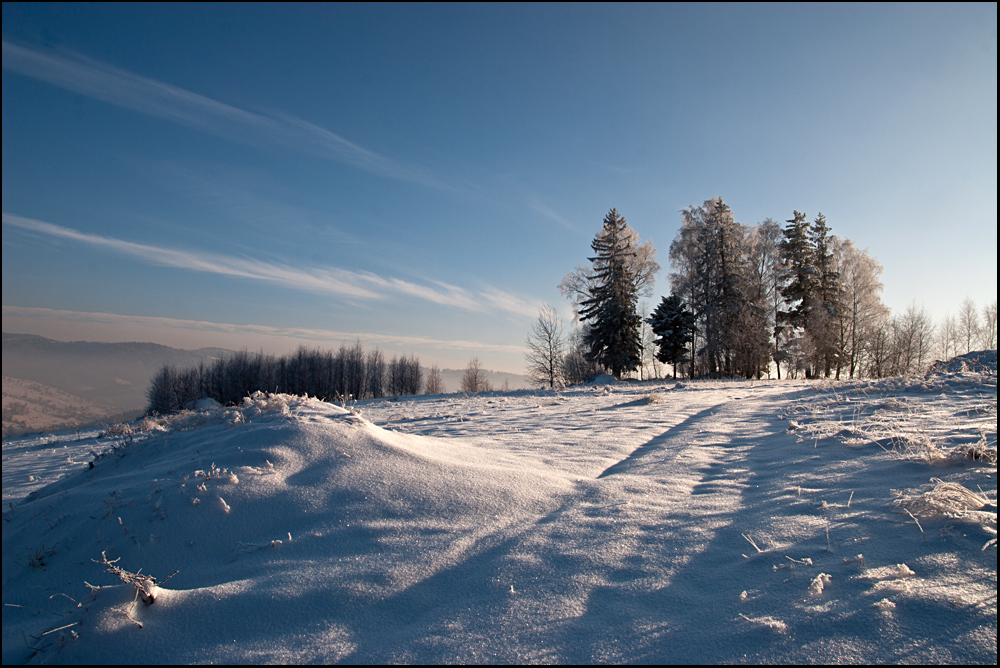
{"x": 546, "y": 346}
{"x": 968, "y": 324}
{"x": 948, "y": 337}
{"x": 474, "y": 379}
{"x": 861, "y": 303}
{"x": 988, "y": 330}
{"x": 434, "y": 383}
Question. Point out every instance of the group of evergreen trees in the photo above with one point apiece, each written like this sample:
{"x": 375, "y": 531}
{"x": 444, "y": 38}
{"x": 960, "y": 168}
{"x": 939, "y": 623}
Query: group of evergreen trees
{"x": 797, "y": 297}
{"x": 350, "y": 373}
{"x": 743, "y": 298}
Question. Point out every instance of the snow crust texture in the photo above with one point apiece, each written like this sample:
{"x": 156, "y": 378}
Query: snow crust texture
{"x": 703, "y": 522}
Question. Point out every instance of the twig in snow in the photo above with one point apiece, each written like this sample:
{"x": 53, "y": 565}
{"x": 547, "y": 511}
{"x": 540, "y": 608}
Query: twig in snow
{"x": 914, "y": 519}
{"x": 128, "y": 616}
{"x": 61, "y": 628}
{"x": 750, "y": 540}
{"x": 850, "y": 499}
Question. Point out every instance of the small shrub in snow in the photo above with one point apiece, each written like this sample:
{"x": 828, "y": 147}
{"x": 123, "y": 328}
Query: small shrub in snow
{"x": 38, "y": 556}
{"x": 948, "y": 500}
{"x": 775, "y": 625}
{"x": 145, "y": 585}
{"x": 818, "y": 583}
{"x": 894, "y": 572}
{"x": 859, "y": 560}
{"x": 977, "y": 452}
{"x": 901, "y": 571}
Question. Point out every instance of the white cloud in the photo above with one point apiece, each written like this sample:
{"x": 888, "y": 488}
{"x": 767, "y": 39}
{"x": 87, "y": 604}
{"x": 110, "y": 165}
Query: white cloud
{"x": 334, "y": 281}
{"x": 504, "y": 301}
{"x": 122, "y": 88}
{"x": 341, "y": 282}
{"x": 549, "y": 213}
{"x": 156, "y": 327}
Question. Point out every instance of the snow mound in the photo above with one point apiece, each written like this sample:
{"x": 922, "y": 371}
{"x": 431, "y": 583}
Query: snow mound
{"x": 514, "y": 529}
{"x": 982, "y": 361}
{"x": 604, "y": 379}
{"x": 285, "y": 502}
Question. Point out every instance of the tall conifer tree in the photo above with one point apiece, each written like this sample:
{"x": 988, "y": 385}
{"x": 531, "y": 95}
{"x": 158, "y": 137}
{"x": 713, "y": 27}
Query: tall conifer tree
{"x": 613, "y": 336}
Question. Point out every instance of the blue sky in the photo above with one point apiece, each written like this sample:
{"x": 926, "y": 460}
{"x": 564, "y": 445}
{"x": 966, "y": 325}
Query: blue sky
{"x": 422, "y": 177}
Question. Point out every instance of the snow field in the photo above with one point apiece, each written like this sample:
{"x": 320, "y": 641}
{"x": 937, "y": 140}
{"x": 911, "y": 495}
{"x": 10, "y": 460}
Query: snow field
{"x": 724, "y": 522}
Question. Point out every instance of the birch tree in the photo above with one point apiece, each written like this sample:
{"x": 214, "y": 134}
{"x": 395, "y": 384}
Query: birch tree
{"x": 546, "y": 346}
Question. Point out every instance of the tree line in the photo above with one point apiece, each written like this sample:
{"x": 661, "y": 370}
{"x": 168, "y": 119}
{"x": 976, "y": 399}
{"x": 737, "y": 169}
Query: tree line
{"x": 350, "y": 373}
{"x": 744, "y": 300}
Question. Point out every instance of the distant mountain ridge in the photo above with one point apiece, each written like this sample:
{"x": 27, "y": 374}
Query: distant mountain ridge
{"x": 110, "y": 379}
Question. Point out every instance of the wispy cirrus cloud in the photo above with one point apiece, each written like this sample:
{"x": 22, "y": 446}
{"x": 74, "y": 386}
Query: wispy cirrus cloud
{"x": 549, "y": 213}
{"x": 100, "y": 81}
{"x": 233, "y": 332}
{"x": 341, "y": 282}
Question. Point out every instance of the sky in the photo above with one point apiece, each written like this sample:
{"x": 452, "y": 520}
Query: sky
{"x": 422, "y": 177}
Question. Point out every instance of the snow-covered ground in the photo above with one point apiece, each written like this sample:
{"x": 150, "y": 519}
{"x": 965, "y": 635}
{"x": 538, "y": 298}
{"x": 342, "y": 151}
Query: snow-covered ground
{"x": 650, "y": 522}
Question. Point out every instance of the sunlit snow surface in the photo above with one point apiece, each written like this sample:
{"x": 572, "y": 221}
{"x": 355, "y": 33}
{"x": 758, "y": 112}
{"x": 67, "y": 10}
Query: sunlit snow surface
{"x": 639, "y": 522}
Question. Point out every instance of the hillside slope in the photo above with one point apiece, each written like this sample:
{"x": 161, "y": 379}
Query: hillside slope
{"x": 702, "y": 522}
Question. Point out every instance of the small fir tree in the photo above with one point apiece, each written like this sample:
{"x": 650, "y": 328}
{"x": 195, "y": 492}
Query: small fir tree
{"x": 673, "y": 323}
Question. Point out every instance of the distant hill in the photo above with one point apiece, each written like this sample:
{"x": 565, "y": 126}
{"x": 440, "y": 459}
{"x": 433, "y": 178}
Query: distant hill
{"x": 108, "y": 379}
{"x": 452, "y": 379}
{"x": 51, "y": 384}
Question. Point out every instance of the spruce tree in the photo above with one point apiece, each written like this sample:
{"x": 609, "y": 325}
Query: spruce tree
{"x": 674, "y": 324}
{"x": 827, "y": 306}
{"x": 800, "y": 271}
{"x": 613, "y": 336}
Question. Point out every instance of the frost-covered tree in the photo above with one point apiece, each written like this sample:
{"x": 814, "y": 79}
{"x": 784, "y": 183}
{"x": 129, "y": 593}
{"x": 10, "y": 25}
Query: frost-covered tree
{"x": 988, "y": 327}
{"x": 613, "y": 336}
{"x": 474, "y": 380}
{"x": 546, "y": 346}
{"x": 811, "y": 290}
{"x": 577, "y": 365}
{"x": 714, "y": 261}
{"x": 686, "y": 279}
{"x": 799, "y": 271}
{"x": 765, "y": 258}
{"x": 434, "y": 384}
{"x": 861, "y": 304}
{"x": 913, "y": 340}
{"x": 674, "y": 326}
{"x": 968, "y": 324}
{"x": 827, "y": 296}
{"x": 578, "y": 284}
{"x": 948, "y": 337}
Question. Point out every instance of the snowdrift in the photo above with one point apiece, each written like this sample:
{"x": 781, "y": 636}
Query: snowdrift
{"x": 982, "y": 361}
{"x": 723, "y": 522}
{"x": 273, "y": 514}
